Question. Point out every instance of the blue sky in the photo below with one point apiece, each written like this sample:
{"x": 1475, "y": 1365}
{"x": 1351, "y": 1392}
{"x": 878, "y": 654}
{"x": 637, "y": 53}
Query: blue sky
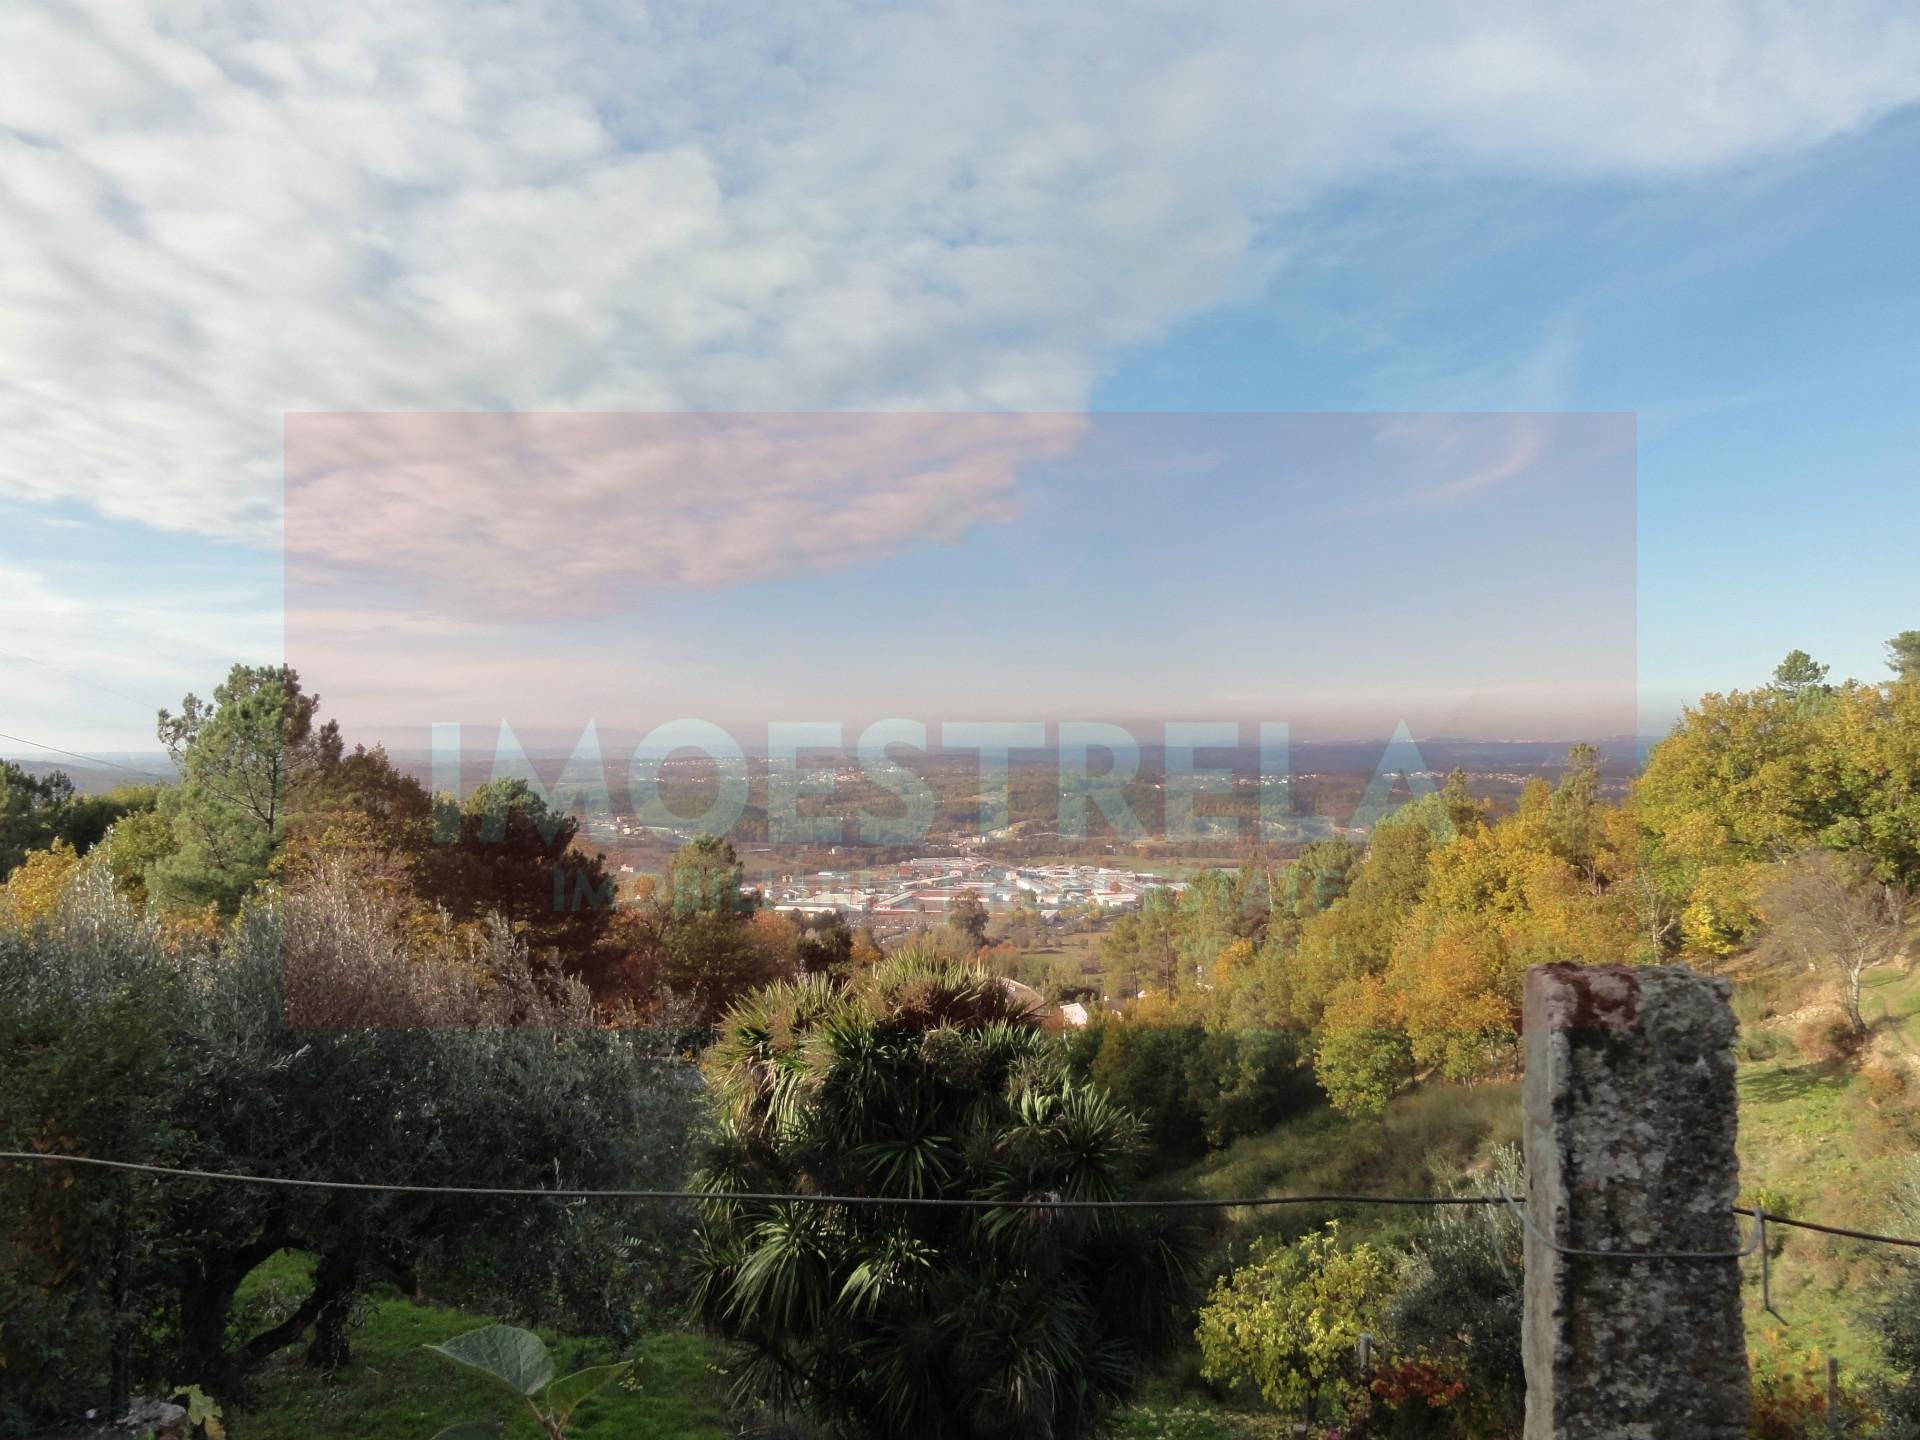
{"x": 1764, "y": 325}
{"x": 1701, "y": 216}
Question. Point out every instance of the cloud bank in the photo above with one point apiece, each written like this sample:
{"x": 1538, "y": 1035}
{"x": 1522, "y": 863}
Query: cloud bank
{"x": 215, "y": 214}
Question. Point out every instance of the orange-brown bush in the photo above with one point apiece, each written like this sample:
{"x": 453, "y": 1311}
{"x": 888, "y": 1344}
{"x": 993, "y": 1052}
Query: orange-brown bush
{"x": 1823, "y": 1038}
{"x": 1884, "y": 1082}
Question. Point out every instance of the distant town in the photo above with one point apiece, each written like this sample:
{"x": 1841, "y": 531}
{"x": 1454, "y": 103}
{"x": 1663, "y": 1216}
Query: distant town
{"x": 917, "y": 889}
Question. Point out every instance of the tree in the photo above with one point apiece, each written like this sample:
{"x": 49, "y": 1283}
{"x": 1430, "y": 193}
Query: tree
{"x": 967, "y": 919}
{"x": 1196, "y": 1079}
{"x": 1128, "y": 958}
{"x": 1550, "y": 882}
{"x": 1463, "y": 809}
{"x": 1217, "y": 908}
{"x": 30, "y": 806}
{"x": 242, "y": 759}
{"x": 33, "y": 892}
{"x": 924, "y": 1079}
{"x": 824, "y": 946}
{"x": 513, "y": 856}
{"x": 361, "y": 802}
{"x": 710, "y": 957}
{"x": 1288, "y": 1323}
{"x": 37, "y": 810}
{"x": 1354, "y": 936}
{"x": 1868, "y": 768}
{"x": 1158, "y": 919}
{"x": 306, "y": 1042}
{"x": 865, "y": 953}
{"x": 134, "y": 845}
{"x": 1362, "y": 1056}
{"x": 93, "y": 1066}
{"x": 1800, "y": 674}
{"x": 1576, "y": 816}
{"x": 1832, "y": 911}
{"x": 1903, "y": 654}
{"x": 1736, "y": 788}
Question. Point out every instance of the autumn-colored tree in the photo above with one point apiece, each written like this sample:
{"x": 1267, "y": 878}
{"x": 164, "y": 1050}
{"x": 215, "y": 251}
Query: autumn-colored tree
{"x": 33, "y": 891}
{"x": 1546, "y": 883}
{"x": 1354, "y": 936}
{"x": 1750, "y": 779}
{"x": 865, "y": 952}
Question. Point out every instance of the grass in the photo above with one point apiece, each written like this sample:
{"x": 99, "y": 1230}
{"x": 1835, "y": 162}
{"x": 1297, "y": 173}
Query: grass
{"x": 396, "y": 1390}
{"x": 1816, "y": 1139}
{"x": 1425, "y": 1144}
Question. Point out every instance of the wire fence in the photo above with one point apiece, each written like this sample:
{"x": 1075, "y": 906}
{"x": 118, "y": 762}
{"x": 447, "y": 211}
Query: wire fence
{"x": 1763, "y": 1218}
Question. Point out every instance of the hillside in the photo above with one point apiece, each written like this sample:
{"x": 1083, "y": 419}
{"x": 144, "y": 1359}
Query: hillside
{"x": 1820, "y": 1139}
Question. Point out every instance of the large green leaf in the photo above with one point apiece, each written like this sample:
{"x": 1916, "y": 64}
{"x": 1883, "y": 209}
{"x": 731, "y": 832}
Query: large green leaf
{"x": 569, "y": 1390}
{"x": 506, "y": 1352}
{"x": 471, "y": 1429}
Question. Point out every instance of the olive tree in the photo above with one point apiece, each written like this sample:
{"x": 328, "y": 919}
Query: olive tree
{"x": 383, "y": 1069}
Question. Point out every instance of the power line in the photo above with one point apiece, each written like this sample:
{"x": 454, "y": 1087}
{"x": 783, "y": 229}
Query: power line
{"x": 1760, "y": 1219}
{"x": 1840, "y": 1230}
{"x": 79, "y": 679}
{"x": 929, "y": 1201}
{"x": 709, "y": 1196}
{"x": 90, "y": 759}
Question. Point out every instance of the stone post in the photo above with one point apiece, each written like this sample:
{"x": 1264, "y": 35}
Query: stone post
{"x": 1629, "y": 1140}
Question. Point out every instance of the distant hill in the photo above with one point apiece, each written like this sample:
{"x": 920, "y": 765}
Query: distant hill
{"x": 140, "y": 768}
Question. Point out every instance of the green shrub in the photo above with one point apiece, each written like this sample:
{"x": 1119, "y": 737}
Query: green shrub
{"x": 1460, "y": 1301}
{"x": 1790, "y": 1403}
{"x": 1287, "y": 1324}
{"x": 90, "y": 1070}
{"x": 1756, "y": 1045}
{"x": 1195, "y": 1087}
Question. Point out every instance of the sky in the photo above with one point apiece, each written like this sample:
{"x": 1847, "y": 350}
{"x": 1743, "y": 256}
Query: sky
{"x": 1498, "y": 229}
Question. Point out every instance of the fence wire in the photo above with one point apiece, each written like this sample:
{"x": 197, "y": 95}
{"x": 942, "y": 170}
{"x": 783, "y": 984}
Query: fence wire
{"x": 1762, "y": 1218}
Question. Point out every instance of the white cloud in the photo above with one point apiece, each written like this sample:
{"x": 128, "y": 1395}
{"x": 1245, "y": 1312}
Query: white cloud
{"x": 213, "y": 214}
{"x": 83, "y": 669}
{"x": 534, "y": 514}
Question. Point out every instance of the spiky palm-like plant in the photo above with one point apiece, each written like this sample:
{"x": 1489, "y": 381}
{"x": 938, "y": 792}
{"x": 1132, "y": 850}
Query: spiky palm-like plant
{"x": 925, "y": 1081}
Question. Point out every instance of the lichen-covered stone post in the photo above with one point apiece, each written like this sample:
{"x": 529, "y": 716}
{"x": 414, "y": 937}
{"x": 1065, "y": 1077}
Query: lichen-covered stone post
{"x": 1629, "y": 1139}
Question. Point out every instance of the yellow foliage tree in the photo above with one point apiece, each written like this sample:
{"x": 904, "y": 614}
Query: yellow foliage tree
{"x": 32, "y": 893}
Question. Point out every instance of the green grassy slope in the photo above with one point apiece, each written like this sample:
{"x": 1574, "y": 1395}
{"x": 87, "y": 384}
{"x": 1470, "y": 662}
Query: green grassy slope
{"x": 396, "y": 1390}
{"x": 1825, "y": 1142}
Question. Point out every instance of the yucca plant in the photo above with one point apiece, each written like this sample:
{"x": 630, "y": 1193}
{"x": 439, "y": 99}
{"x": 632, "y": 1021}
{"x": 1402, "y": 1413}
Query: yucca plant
{"x": 924, "y": 1082}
